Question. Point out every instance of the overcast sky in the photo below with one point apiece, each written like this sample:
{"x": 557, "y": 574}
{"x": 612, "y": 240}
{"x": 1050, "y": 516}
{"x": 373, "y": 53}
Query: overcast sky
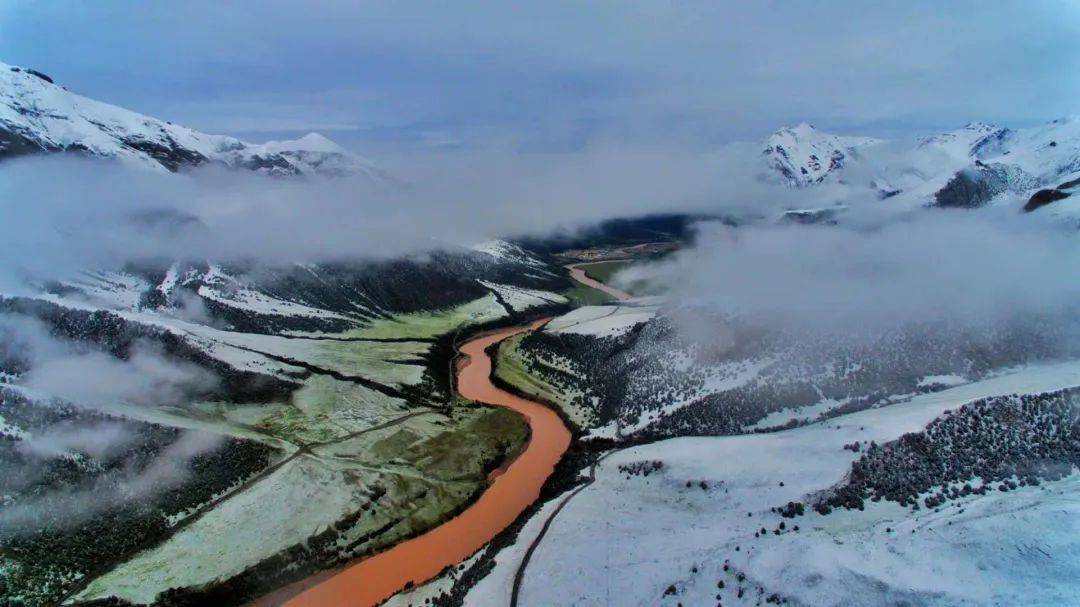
{"x": 549, "y": 75}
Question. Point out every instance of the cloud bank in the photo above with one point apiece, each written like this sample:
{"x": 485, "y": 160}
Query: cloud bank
{"x": 60, "y": 215}
{"x": 556, "y": 74}
{"x": 974, "y": 268}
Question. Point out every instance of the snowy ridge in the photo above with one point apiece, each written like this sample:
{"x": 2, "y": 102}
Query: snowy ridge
{"x": 506, "y": 252}
{"x": 1049, "y": 151}
{"x": 220, "y": 287}
{"x": 37, "y": 115}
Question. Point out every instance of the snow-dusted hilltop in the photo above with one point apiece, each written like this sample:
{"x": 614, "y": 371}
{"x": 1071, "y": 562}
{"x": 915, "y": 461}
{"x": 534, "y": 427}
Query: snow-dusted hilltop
{"x": 803, "y": 155}
{"x": 38, "y": 115}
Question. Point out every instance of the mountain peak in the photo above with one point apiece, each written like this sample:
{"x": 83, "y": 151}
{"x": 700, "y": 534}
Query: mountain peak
{"x": 312, "y": 142}
{"x": 804, "y": 155}
{"x": 316, "y": 141}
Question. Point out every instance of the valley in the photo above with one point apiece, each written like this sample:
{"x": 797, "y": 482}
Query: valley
{"x": 590, "y": 440}
{"x": 562, "y": 358}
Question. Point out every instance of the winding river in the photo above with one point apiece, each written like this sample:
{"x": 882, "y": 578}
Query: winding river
{"x": 376, "y": 578}
{"x": 578, "y": 274}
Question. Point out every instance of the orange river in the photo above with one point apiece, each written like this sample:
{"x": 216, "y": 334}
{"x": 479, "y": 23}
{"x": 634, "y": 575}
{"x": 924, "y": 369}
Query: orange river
{"x": 376, "y": 578}
{"x": 579, "y": 275}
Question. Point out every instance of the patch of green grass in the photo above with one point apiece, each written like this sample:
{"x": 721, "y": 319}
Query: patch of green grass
{"x": 373, "y": 490}
{"x": 602, "y": 271}
{"x": 384, "y": 362}
{"x": 294, "y": 425}
{"x": 482, "y": 436}
{"x": 581, "y": 295}
{"x": 512, "y": 370}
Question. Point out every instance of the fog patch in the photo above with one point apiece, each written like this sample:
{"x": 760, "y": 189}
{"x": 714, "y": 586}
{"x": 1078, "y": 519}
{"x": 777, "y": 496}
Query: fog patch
{"x": 955, "y": 267}
{"x": 170, "y": 468}
{"x": 125, "y": 485}
{"x": 188, "y": 306}
{"x": 74, "y": 372}
{"x": 109, "y": 453}
{"x": 98, "y": 440}
{"x": 93, "y": 378}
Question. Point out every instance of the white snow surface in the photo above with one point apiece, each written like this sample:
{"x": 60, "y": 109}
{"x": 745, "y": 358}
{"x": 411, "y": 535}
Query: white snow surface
{"x": 1049, "y": 150}
{"x": 716, "y": 378}
{"x": 942, "y": 380}
{"x": 601, "y": 321}
{"x": 255, "y": 301}
{"x": 624, "y": 540}
{"x": 111, "y": 290}
{"x": 314, "y": 496}
{"x": 520, "y": 298}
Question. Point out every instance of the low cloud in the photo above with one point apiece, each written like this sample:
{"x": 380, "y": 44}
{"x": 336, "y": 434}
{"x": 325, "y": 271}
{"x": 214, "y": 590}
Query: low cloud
{"x": 62, "y": 215}
{"x": 95, "y": 379}
{"x": 98, "y": 440}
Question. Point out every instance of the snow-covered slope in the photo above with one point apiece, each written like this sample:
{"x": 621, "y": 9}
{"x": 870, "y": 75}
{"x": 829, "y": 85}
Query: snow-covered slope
{"x": 803, "y": 155}
{"x": 694, "y": 521}
{"x": 1050, "y": 151}
{"x": 37, "y": 115}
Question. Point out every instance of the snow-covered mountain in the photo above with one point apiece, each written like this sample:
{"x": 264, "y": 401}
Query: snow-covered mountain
{"x": 964, "y": 168}
{"x": 803, "y": 155}
{"x": 38, "y": 115}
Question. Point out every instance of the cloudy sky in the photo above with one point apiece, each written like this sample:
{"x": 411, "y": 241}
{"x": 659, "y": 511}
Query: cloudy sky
{"x": 552, "y": 75}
